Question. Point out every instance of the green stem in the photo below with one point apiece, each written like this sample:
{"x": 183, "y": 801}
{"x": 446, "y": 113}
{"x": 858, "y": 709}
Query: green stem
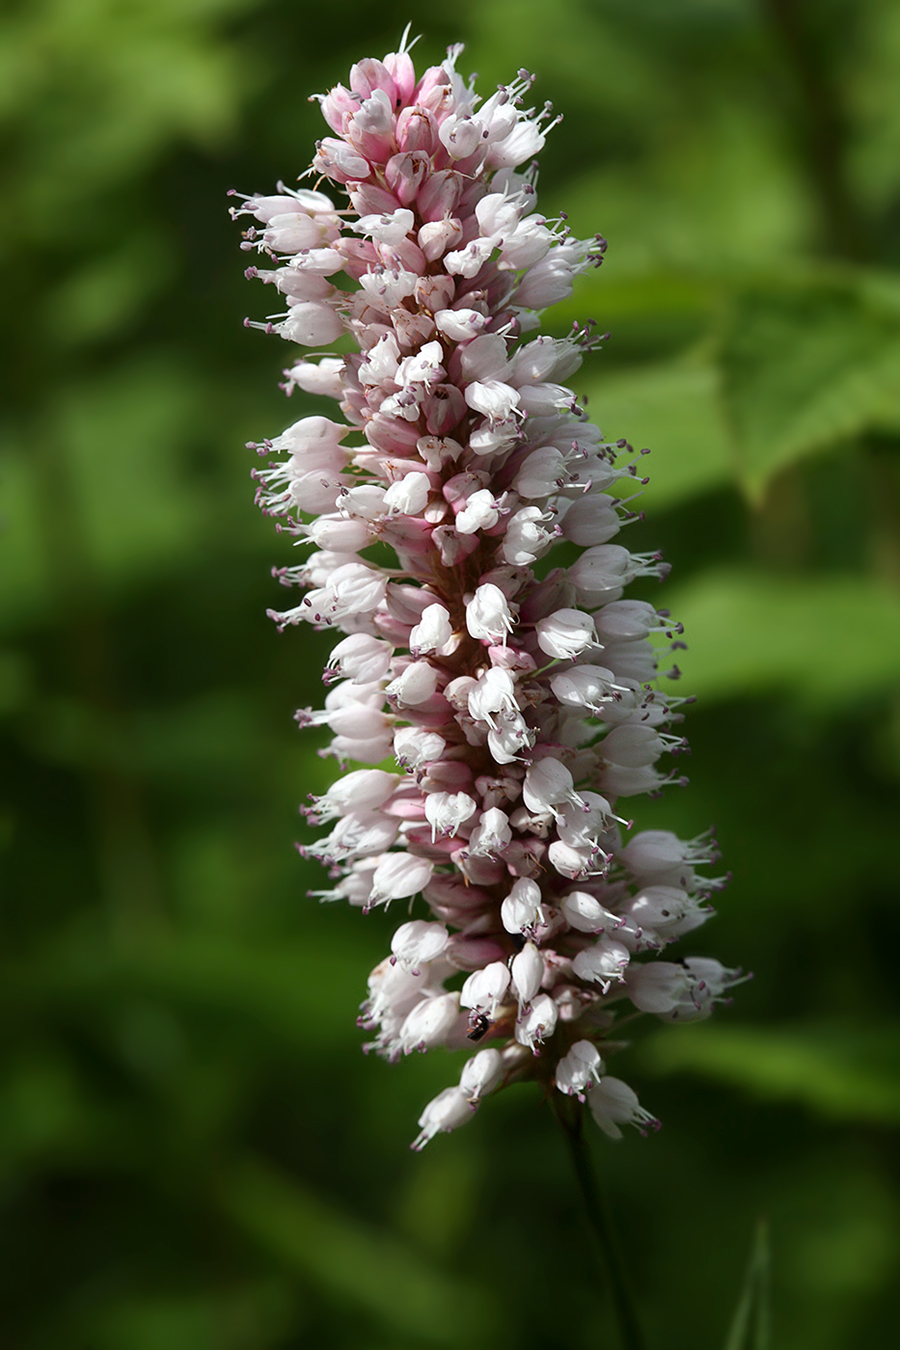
{"x": 571, "y": 1117}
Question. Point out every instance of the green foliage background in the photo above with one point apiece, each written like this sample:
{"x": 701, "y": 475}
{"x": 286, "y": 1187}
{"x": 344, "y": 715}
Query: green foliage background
{"x": 194, "y": 1155}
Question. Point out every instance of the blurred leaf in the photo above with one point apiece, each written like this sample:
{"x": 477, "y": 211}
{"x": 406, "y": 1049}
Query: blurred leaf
{"x": 846, "y": 1238}
{"x": 367, "y": 1268}
{"x": 647, "y": 314}
{"x": 875, "y": 148}
{"x": 276, "y": 992}
{"x": 826, "y": 639}
{"x": 807, "y": 364}
{"x": 15, "y": 680}
{"x": 673, "y": 409}
{"x": 247, "y": 1318}
{"x": 712, "y": 192}
{"x": 841, "y": 1072}
{"x": 750, "y": 1329}
{"x": 107, "y": 291}
{"x": 104, "y": 85}
{"x": 114, "y": 455}
{"x": 205, "y": 736}
{"x": 662, "y": 294}
{"x": 549, "y": 49}
{"x": 442, "y": 1182}
{"x": 45, "y": 1110}
{"x": 131, "y": 482}
{"x": 24, "y": 571}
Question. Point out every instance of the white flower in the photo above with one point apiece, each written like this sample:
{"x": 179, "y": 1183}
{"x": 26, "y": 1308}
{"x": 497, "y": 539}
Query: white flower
{"x": 527, "y": 971}
{"x": 491, "y": 835}
{"x": 409, "y": 494}
{"x": 604, "y": 962}
{"x": 547, "y": 785}
{"x": 429, "y": 1023}
{"x": 479, "y": 513}
{"x": 311, "y": 323}
{"x": 459, "y": 324}
{"x": 413, "y": 748}
{"x": 364, "y": 789}
{"x": 585, "y": 913}
{"x": 526, "y": 537}
{"x": 418, "y": 942}
{"x": 485, "y": 989}
{"x": 614, "y": 1103}
{"x": 481, "y": 1074}
{"x": 654, "y": 853}
{"x": 446, "y": 811}
{"x": 566, "y": 634}
{"x": 388, "y": 228}
{"x": 488, "y": 615}
{"x": 415, "y": 684}
{"x": 585, "y": 686}
{"x": 449, "y": 1109}
{"x": 578, "y": 1069}
{"x": 522, "y": 908}
{"x": 432, "y": 631}
{"x": 538, "y": 1022}
{"x": 494, "y": 693}
{"x": 399, "y": 876}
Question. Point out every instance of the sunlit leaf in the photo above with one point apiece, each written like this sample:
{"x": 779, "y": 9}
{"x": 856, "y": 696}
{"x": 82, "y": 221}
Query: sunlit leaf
{"x": 673, "y": 410}
{"x": 712, "y": 198}
{"x": 106, "y": 86}
{"x": 644, "y": 312}
{"x": 823, "y": 638}
{"x": 806, "y": 365}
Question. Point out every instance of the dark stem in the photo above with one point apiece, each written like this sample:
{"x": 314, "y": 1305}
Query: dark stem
{"x": 820, "y": 124}
{"x": 571, "y": 1117}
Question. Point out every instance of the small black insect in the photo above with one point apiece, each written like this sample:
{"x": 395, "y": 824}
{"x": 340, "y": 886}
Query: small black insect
{"x": 481, "y": 1025}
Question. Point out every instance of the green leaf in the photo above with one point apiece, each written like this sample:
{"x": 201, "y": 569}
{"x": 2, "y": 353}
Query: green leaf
{"x": 840, "y": 1072}
{"x": 25, "y": 575}
{"x": 367, "y": 1268}
{"x": 244, "y": 1314}
{"x": 247, "y": 983}
{"x": 100, "y": 88}
{"x": 806, "y": 365}
{"x": 649, "y": 312}
{"x": 826, "y": 639}
{"x": 127, "y": 436}
{"x": 673, "y": 409}
{"x": 750, "y": 1328}
{"x": 107, "y": 292}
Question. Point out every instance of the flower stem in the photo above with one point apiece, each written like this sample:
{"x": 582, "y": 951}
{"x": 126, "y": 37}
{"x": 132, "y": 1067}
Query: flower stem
{"x": 598, "y": 1214}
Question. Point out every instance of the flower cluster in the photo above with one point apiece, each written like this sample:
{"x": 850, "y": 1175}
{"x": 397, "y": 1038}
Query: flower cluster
{"x": 515, "y": 702}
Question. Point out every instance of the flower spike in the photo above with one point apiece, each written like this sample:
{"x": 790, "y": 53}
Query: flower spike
{"x": 514, "y": 709}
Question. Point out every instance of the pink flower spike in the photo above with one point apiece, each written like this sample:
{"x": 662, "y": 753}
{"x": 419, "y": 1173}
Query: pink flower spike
{"x": 491, "y": 697}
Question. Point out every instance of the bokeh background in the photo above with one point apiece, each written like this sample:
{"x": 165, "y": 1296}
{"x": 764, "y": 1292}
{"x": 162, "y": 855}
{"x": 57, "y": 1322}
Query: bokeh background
{"x": 194, "y": 1154}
